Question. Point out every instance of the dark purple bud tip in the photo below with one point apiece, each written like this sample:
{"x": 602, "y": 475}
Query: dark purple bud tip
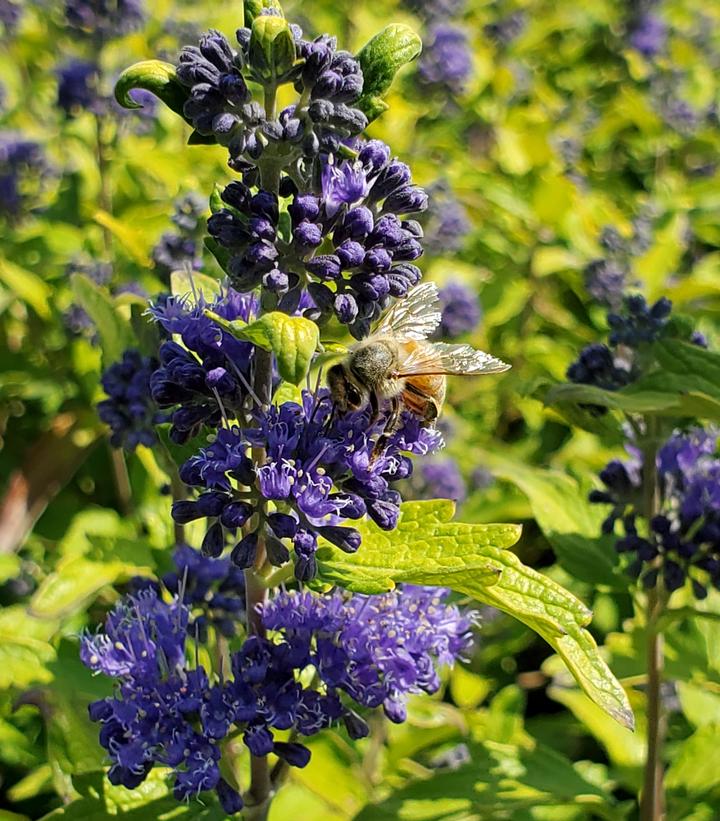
{"x": 184, "y": 512}
{"x": 277, "y": 553}
{"x": 346, "y": 538}
{"x": 296, "y": 755}
{"x": 236, "y": 514}
{"x": 661, "y": 309}
{"x": 212, "y": 503}
{"x": 243, "y": 554}
{"x": 355, "y": 726}
{"x": 214, "y": 541}
{"x": 283, "y": 525}
{"x": 230, "y": 799}
{"x": 258, "y": 740}
{"x": 99, "y": 710}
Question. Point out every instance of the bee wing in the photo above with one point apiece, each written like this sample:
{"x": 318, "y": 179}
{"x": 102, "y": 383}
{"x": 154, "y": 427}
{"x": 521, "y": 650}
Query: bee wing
{"x": 414, "y": 317}
{"x": 439, "y": 358}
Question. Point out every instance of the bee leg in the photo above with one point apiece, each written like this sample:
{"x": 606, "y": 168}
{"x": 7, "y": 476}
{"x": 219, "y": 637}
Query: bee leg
{"x": 375, "y": 408}
{"x": 390, "y": 427}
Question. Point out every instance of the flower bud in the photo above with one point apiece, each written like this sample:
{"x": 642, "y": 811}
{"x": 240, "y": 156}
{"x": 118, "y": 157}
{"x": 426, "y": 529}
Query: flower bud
{"x": 243, "y": 554}
{"x": 271, "y": 51}
{"x": 214, "y": 541}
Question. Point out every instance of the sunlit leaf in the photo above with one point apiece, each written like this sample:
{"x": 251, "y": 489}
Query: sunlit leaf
{"x": 428, "y": 547}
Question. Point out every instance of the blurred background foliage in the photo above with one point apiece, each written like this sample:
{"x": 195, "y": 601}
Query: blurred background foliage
{"x": 566, "y": 146}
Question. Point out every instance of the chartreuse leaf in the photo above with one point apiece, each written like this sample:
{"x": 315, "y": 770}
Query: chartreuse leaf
{"x": 195, "y": 284}
{"x": 427, "y": 547}
{"x": 154, "y": 76}
{"x": 694, "y": 763}
{"x": 75, "y": 582}
{"x": 115, "y": 332}
{"x": 570, "y": 523}
{"x": 271, "y": 52}
{"x": 381, "y": 59}
{"x": 293, "y": 340}
{"x": 27, "y": 286}
{"x": 127, "y": 236}
{"x": 25, "y": 649}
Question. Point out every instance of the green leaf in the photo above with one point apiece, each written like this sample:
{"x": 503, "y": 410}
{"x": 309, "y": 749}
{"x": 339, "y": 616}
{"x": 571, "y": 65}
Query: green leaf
{"x": 128, "y": 237}
{"x": 293, "y": 340}
{"x": 570, "y": 523}
{"x": 380, "y": 59}
{"x": 427, "y": 547}
{"x": 221, "y": 254}
{"x": 195, "y": 284}
{"x": 216, "y": 201}
{"x": 694, "y": 763}
{"x": 501, "y": 781}
{"x": 156, "y": 77}
{"x": 35, "y": 782}
{"x": 686, "y": 370}
{"x": 27, "y": 286}
{"x": 9, "y": 566}
{"x": 660, "y": 402}
{"x": 24, "y": 651}
{"x": 76, "y": 581}
{"x": 683, "y": 381}
{"x": 624, "y": 748}
{"x": 114, "y": 331}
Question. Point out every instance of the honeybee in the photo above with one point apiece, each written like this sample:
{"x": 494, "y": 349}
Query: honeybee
{"x": 398, "y": 363}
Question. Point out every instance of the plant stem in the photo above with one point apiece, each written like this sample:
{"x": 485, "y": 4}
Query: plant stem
{"x": 270, "y": 96}
{"x": 178, "y": 488}
{"x": 260, "y": 792}
{"x": 652, "y": 803}
{"x": 122, "y": 481}
{"x": 105, "y": 193}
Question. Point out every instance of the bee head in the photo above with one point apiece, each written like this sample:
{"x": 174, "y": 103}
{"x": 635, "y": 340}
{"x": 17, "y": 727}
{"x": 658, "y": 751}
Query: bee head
{"x": 346, "y": 394}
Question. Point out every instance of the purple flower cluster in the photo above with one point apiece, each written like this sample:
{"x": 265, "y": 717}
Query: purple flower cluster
{"x": 78, "y": 87}
{"x": 648, "y": 35}
{"x": 436, "y": 10}
{"x": 320, "y": 469}
{"x": 180, "y": 249}
{"x": 163, "y": 713}
{"x": 613, "y": 366}
{"x": 683, "y": 540}
{"x": 445, "y": 222}
{"x": 506, "y": 29}
{"x": 221, "y": 105}
{"x": 211, "y": 373}
{"x": 442, "y": 479}
{"x": 20, "y": 160}
{"x": 358, "y": 218}
{"x": 10, "y": 15}
{"x": 446, "y": 60}
{"x": 374, "y": 650}
{"x": 605, "y": 281}
{"x": 104, "y": 19}
{"x": 212, "y": 589}
{"x": 460, "y": 309}
{"x": 129, "y": 409}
